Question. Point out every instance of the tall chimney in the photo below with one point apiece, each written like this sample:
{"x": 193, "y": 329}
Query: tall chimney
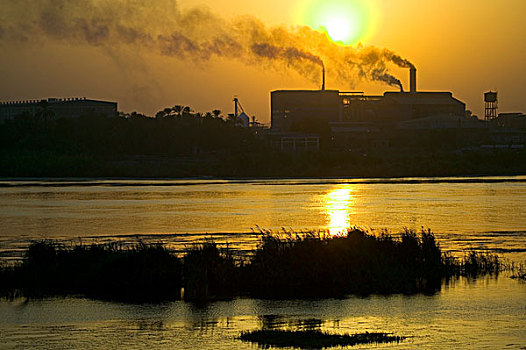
{"x": 323, "y": 78}
{"x": 412, "y": 79}
{"x": 235, "y": 106}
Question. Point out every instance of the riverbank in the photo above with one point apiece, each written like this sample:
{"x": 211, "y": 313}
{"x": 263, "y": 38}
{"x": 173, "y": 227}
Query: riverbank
{"x": 388, "y": 163}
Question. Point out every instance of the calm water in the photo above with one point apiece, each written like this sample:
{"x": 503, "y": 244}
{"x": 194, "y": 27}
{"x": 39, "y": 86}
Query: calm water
{"x": 480, "y": 213}
{"x": 486, "y": 314}
{"x": 477, "y": 213}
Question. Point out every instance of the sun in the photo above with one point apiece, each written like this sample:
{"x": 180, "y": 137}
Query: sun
{"x": 345, "y": 21}
{"x": 341, "y": 29}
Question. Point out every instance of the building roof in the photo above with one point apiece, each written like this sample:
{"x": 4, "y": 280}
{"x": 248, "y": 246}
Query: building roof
{"x": 305, "y": 91}
{"x": 52, "y": 101}
{"x": 425, "y": 98}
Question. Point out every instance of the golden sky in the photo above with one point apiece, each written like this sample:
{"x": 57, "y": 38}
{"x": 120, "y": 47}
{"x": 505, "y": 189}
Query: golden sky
{"x": 466, "y": 47}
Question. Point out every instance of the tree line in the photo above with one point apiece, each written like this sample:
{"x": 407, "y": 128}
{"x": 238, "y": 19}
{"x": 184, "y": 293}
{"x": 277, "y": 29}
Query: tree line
{"x": 173, "y": 131}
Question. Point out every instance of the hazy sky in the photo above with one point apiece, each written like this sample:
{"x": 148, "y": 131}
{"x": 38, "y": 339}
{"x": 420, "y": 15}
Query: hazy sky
{"x": 151, "y": 54}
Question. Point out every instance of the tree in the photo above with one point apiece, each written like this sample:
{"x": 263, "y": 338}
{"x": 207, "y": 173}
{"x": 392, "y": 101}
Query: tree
{"x": 177, "y": 110}
{"x": 45, "y": 112}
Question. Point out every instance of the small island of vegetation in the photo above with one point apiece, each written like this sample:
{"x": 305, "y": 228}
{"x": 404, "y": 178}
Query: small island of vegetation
{"x": 315, "y": 339}
{"x": 308, "y": 265}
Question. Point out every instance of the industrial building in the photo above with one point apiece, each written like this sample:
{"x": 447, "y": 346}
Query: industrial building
{"x": 353, "y": 118}
{"x": 61, "y": 107}
{"x": 289, "y": 108}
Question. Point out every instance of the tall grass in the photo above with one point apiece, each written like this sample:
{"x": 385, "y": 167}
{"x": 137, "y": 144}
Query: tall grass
{"x": 358, "y": 263}
{"x": 518, "y": 271}
{"x": 315, "y": 339}
{"x": 209, "y": 273}
{"x": 134, "y": 274}
{"x": 310, "y": 264}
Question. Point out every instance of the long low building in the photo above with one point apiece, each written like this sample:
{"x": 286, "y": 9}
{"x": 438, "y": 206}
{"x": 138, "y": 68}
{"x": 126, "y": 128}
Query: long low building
{"x": 61, "y": 107}
{"x": 292, "y": 109}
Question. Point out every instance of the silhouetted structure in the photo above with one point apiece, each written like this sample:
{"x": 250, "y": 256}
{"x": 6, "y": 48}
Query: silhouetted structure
{"x": 62, "y": 107}
{"x": 349, "y": 120}
{"x": 515, "y": 120}
{"x": 412, "y": 79}
{"x": 491, "y": 105}
{"x": 296, "y": 142}
{"x": 291, "y": 108}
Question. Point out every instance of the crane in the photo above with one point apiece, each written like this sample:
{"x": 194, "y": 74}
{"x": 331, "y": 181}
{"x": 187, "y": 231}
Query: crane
{"x": 237, "y": 105}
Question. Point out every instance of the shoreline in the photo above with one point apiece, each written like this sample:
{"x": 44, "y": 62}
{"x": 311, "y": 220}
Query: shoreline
{"x": 169, "y": 181}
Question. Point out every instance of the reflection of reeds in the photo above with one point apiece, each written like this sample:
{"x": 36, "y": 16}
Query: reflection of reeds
{"x": 292, "y": 265}
{"x": 315, "y": 339}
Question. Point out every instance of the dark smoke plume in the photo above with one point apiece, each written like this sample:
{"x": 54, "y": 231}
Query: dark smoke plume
{"x": 290, "y": 54}
{"x": 378, "y": 75}
{"x": 194, "y": 34}
{"x": 396, "y": 59}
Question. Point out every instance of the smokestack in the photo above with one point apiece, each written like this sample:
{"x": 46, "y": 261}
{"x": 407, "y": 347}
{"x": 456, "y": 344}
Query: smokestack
{"x": 412, "y": 79}
{"x": 323, "y": 78}
{"x": 235, "y": 106}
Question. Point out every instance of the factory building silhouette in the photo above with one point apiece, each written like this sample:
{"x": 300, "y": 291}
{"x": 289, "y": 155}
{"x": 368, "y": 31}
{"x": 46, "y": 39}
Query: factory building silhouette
{"x": 301, "y": 119}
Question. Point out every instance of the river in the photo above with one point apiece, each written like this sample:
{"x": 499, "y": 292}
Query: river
{"x": 481, "y": 213}
{"x": 485, "y": 213}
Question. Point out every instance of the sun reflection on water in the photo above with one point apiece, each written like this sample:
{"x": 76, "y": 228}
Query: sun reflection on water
{"x": 338, "y": 204}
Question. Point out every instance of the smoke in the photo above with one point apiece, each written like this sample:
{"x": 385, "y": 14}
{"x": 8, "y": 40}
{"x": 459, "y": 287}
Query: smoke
{"x": 289, "y": 54}
{"x": 378, "y": 75}
{"x": 196, "y": 34}
{"x": 396, "y": 59}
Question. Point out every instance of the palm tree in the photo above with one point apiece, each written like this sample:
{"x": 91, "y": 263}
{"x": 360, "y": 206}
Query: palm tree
{"x": 45, "y": 112}
{"x": 216, "y": 113}
{"x": 177, "y": 109}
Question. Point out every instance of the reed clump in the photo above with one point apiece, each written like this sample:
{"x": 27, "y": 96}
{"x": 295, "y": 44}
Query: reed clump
{"x": 518, "y": 271}
{"x": 317, "y": 265}
{"x": 209, "y": 273}
{"x": 133, "y": 274}
{"x": 306, "y": 265}
{"x": 315, "y": 339}
{"x": 472, "y": 264}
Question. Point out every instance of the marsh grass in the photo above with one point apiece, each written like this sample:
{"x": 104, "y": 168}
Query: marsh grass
{"x": 315, "y": 339}
{"x": 210, "y": 273}
{"x": 518, "y": 271}
{"x": 133, "y": 274}
{"x": 285, "y": 265}
{"x": 317, "y": 265}
{"x": 473, "y": 264}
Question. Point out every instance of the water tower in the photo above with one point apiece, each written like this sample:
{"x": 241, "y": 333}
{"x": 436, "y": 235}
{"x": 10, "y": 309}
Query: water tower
{"x": 490, "y": 100}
